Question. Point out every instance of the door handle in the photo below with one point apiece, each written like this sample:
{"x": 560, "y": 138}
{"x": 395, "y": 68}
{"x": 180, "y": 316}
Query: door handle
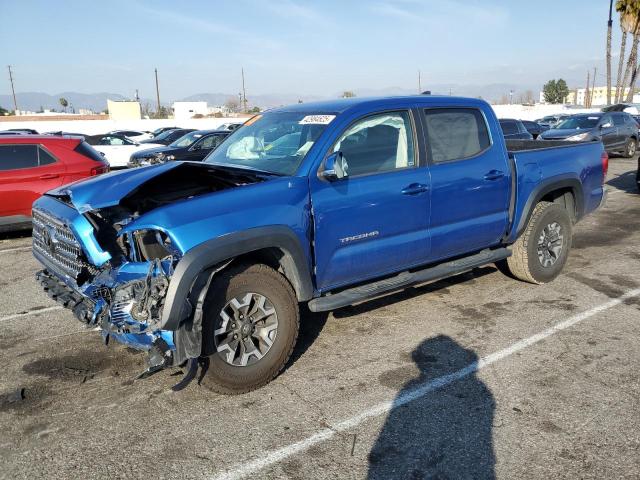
{"x": 414, "y": 189}
{"x": 494, "y": 175}
{"x": 48, "y": 176}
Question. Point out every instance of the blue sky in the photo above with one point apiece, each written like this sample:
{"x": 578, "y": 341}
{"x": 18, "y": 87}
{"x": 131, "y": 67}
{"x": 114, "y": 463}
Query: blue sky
{"x": 296, "y": 46}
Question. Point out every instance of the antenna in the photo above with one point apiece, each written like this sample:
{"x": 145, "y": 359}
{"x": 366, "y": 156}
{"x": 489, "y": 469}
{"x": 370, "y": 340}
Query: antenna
{"x": 419, "y": 82}
{"x": 15, "y": 103}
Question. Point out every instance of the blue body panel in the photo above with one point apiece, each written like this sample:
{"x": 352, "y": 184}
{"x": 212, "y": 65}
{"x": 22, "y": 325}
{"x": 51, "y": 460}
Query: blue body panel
{"x": 351, "y": 230}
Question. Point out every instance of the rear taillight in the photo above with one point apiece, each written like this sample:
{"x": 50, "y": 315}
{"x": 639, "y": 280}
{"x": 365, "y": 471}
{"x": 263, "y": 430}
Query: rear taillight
{"x": 99, "y": 170}
{"x": 605, "y": 165}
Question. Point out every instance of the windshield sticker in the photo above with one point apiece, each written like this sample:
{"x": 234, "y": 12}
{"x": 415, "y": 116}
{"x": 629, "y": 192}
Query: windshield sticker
{"x": 253, "y": 119}
{"x": 317, "y": 120}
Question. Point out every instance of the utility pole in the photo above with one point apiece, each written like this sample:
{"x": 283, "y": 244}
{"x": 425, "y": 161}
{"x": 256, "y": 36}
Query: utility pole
{"x": 609, "y": 26}
{"x": 586, "y": 92}
{"x": 419, "y": 83}
{"x": 15, "y": 103}
{"x": 593, "y": 87}
{"x": 157, "y": 91}
{"x": 244, "y": 93}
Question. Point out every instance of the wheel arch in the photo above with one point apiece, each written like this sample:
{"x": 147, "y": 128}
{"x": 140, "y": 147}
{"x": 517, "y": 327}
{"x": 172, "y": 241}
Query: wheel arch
{"x": 566, "y": 192}
{"x": 276, "y": 246}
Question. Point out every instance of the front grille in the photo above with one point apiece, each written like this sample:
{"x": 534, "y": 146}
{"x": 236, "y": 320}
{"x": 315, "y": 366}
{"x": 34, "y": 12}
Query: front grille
{"x": 53, "y": 240}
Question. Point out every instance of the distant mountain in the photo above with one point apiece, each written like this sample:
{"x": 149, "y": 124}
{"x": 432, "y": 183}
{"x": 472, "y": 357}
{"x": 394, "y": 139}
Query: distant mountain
{"x": 263, "y": 101}
{"x": 34, "y": 101}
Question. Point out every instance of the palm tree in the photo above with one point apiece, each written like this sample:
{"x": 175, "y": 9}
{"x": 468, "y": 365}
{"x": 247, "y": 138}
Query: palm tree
{"x": 64, "y": 103}
{"x": 609, "y": 26}
{"x": 632, "y": 64}
{"x": 629, "y": 23}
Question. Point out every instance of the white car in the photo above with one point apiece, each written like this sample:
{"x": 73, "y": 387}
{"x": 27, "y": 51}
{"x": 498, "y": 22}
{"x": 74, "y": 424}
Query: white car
{"x": 117, "y": 149}
{"x": 135, "y": 135}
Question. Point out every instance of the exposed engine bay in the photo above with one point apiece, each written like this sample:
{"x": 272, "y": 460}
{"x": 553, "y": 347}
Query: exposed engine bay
{"x": 125, "y": 295}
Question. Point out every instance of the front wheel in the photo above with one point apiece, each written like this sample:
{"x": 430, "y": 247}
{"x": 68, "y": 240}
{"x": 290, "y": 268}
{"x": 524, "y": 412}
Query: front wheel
{"x": 630, "y": 148}
{"x": 250, "y": 327}
{"x": 542, "y": 250}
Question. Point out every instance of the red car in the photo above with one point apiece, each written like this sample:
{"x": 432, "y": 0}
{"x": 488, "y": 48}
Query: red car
{"x": 31, "y": 165}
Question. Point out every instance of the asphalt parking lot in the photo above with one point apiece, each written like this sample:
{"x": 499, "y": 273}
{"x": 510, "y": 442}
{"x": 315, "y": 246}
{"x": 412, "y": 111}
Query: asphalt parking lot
{"x": 478, "y": 376}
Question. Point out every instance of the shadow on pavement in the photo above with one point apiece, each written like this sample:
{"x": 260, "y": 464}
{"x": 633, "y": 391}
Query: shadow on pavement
{"x": 410, "y": 292}
{"x": 14, "y": 234}
{"x": 625, "y": 182}
{"x": 445, "y": 434}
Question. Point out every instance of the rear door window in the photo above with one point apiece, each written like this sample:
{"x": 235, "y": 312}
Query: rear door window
{"x": 456, "y": 133}
{"x": 509, "y": 128}
{"x": 618, "y": 120}
{"x": 44, "y": 157}
{"x": 14, "y": 157}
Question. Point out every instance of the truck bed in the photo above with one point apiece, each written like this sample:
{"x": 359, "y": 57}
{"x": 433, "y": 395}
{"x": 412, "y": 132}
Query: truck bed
{"x": 527, "y": 145}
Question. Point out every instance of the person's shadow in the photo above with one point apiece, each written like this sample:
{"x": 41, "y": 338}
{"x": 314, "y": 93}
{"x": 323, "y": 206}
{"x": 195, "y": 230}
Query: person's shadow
{"x": 443, "y": 434}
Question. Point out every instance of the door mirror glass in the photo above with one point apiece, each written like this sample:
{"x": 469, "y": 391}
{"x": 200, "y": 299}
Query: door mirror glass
{"x": 335, "y": 167}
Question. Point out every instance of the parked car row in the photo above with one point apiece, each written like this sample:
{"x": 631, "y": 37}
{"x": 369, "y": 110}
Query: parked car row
{"x": 618, "y": 131}
{"x": 31, "y": 165}
{"x": 118, "y": 146}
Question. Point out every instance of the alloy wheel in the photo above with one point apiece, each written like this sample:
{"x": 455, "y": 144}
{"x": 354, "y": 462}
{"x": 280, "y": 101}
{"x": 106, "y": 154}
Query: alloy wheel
{"x": 550, "y": 244}
{"x": 247, "y": 327}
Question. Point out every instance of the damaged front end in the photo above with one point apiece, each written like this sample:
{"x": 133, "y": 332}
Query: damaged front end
{"x": 124, "y": 297}
{"x": 114, "y": 275}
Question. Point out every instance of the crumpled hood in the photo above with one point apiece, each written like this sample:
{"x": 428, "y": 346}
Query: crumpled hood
{"x": 107, "y": 190}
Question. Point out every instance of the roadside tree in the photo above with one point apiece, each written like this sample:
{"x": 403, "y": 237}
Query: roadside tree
{"x": 555, "y": 91}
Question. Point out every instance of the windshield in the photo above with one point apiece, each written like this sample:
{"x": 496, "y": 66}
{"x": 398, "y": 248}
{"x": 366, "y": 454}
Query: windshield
{"x": 186, "y": 140}
{"x": 164, "y": 135}
{"x": 578, "y": 123}
{"x": 273, "y": 142}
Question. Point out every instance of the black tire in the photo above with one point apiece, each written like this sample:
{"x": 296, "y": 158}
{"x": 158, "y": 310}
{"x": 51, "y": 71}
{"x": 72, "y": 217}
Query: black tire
{"x": 237, "y": 282}
{"x": 630, "y": 148}
{"x": 525, "y": 263}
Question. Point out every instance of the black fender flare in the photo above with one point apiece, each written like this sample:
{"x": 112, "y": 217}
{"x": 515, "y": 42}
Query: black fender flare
{"x": 178, "y": 306}
{"x": 545, "y": 188}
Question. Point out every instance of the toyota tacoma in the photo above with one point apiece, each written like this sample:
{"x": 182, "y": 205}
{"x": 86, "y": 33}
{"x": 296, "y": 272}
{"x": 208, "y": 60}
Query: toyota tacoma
{"x": 324, "y": 204}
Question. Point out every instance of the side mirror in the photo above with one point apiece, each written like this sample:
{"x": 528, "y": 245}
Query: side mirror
{"x": 605, "y": 125}
{"x": 335, "y": 167}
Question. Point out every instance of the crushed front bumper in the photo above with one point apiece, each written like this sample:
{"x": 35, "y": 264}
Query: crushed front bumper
{"x": 96, "y": 313}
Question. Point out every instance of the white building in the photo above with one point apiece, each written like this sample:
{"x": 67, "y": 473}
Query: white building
{"x": 187, "y": 110}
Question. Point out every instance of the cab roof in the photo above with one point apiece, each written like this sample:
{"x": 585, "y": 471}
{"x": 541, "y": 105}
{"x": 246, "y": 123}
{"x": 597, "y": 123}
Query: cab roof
{"x": 341, "y": 105}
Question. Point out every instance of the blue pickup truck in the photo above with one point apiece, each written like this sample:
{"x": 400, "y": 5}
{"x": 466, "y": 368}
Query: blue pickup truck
{"x": 324, "y": 204}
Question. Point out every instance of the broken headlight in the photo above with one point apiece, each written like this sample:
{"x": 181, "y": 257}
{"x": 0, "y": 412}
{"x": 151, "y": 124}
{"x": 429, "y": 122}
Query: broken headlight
{"x": 148, "y": 245}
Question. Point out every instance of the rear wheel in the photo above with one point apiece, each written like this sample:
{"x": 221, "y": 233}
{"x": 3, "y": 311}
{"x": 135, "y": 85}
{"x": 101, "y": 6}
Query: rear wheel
{"x": 250, "y": 328}
{"x": 630, "y": 147}
{"x": 542, "y": 250}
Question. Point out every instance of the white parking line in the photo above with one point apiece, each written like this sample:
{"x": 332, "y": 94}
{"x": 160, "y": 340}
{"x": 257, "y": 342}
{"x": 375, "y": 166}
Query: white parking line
{"x": 275, "y": 456}
{"x": 31, "y": 312}
{"x": 17, "y": 249}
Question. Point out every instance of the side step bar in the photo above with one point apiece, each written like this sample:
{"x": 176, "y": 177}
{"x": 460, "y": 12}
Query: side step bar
{"x": 405, "y": 279}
